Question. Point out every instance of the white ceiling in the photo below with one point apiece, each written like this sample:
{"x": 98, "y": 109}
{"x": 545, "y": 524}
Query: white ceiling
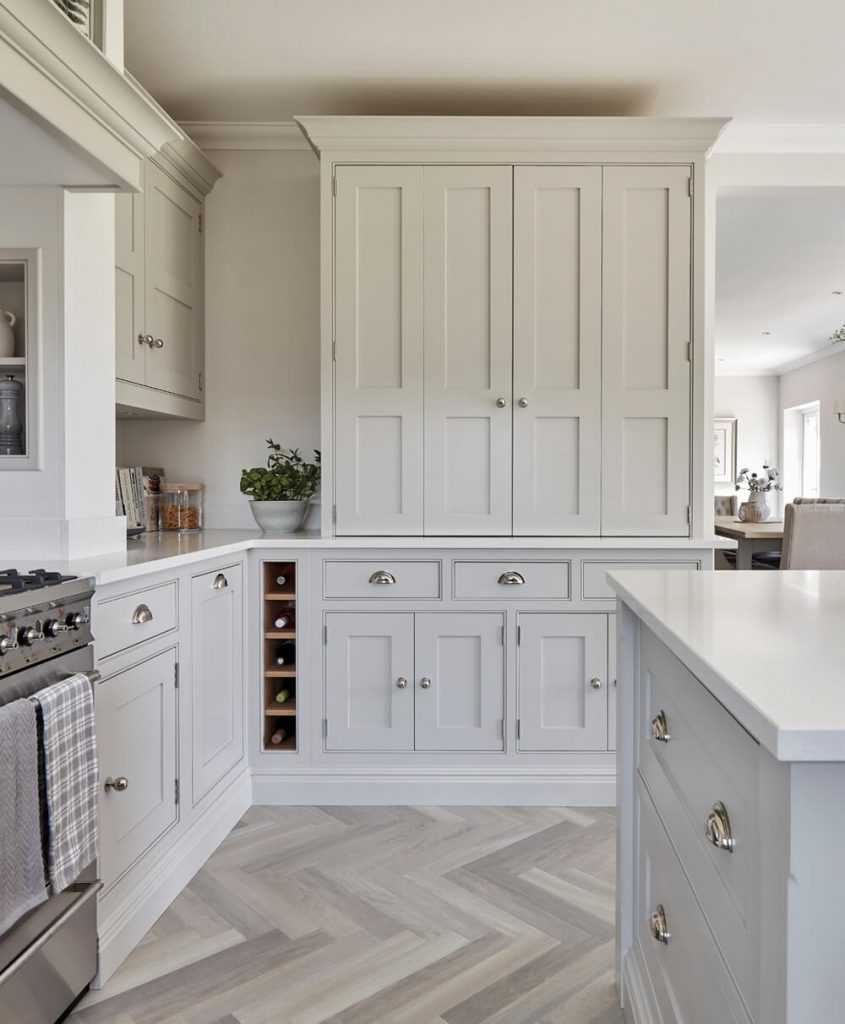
{"x": 265, "y": 60}
{"x": 780, "y": 256}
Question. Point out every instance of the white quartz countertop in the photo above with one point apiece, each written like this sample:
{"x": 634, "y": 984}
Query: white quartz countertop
{"x": 770, "y": 646}
{"x": 154, "y": 552}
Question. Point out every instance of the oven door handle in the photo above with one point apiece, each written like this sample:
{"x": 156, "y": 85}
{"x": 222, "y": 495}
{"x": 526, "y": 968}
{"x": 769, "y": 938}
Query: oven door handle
{"x": 94, "y": 676}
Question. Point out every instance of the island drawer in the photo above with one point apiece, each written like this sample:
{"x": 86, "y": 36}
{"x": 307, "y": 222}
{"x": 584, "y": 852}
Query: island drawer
{"x": 381, "y": 580}
{"x": 689, "y": 978}
{"x": 131, "y": 619}
{"x": 505, "y": 581}
{"x": 594, "y": 585}
{"x": 700, "y": 767}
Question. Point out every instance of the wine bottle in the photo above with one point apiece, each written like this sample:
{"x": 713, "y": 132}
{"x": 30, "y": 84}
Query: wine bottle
{"x": 282, "y": 696}
{"x": 282, "y": 622}
{"x": 286, "y": 653}
{"x": 281, "y": 581}
{"x": 278, "y": 736}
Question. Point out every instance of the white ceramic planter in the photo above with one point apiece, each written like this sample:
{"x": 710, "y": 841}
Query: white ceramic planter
{"x": 279, "y": 516}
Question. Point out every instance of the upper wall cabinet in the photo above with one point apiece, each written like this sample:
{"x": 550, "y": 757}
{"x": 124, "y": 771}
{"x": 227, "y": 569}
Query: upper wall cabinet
{"x": 159, "y": 329}
{"x": 513, "y": 326}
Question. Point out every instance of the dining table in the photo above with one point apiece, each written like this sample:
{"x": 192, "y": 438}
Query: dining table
{"x": 751, "y": 538}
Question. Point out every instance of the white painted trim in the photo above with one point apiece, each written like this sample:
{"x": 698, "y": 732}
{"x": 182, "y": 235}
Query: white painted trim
{"x": 739, "y": 137}
{"x": 254, "y": 135}
{"x": 144, "y": 903}
{"x": 794, "y": 364}
{"x": 633, "y": 995}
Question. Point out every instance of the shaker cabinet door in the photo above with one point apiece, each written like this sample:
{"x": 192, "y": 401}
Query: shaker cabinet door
{"x": 136, "y": 740}
{"x": 379, "y": 350}
{"x": 557, "y": 351}
{"x": 460, "y": 681}
{"x": 130, "y": 353}
{"x": 468, "y": 350}
{"x": 217, "y": 684}
{"x": 646, "y": 328}
{"x": 174, "y": 286}
{"x": 562, "y": 657}
{"x": 369, "y": 673}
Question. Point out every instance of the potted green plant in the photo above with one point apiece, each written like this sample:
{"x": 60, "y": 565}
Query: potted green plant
{"x": 280, "y": 491}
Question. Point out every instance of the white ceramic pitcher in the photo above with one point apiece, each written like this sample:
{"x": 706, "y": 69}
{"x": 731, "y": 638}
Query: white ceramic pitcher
{"x": 7, "y": 335}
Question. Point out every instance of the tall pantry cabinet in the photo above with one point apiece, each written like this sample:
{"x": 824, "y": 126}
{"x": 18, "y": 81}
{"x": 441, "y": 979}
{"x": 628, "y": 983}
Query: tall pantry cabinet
{"x": 513, "y": 325}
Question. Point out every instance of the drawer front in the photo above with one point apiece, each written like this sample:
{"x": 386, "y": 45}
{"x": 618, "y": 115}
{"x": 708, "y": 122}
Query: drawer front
{"x": 122, "y": 622}
{"x": 707, "y": 767}
{"x": 594, "y": 585}
{"x": 689, "y": 979}
{"x": 506, "y": 581}
{"x": 381, "y": 580}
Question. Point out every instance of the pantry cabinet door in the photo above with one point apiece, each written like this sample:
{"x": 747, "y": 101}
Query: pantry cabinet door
{"x": 468, "y": 350}
{"x": 369, "y": 672}
{"x": 646, "y": 330}
{"x": 379, "y": 350}
{"x": 560, "y": 658}
{"x": 130, "y": 353}
{"x": 460, "y": 681}
{"x": 557, "y": 351}
{"x": 136, "y": 740}
{"x": 217, "y": 676}
{"x": 174, "y": 285}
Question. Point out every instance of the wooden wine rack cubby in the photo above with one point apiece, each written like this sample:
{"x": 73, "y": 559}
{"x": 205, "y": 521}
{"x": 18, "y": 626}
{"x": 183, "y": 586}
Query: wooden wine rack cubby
{"x": 279, "y": 600}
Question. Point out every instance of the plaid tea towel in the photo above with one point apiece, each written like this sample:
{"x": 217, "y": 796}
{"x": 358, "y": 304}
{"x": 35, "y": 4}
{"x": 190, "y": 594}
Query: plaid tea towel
{"x": 70, "y": 764}
{"x": 21, "y": 866}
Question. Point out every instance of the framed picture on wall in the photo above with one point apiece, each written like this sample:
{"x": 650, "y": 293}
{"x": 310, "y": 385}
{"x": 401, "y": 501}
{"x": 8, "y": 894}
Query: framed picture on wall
{"x": 724, "y": 450}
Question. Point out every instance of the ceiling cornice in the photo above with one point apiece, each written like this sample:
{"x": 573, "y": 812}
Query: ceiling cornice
{"x": 747, "y": 137}
{"x": 256, "y": 135}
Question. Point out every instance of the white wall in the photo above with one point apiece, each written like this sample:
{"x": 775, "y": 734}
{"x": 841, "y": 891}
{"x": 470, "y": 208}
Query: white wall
{"x": 824, "y": 382}
{"x": 262, "y": 332}
{"x": 754, "y": 403}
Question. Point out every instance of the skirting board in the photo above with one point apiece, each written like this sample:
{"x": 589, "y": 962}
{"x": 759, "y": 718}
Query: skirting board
{"x": 142, "y": 906}
{"x": 542, "y": 790}
{"x": 635, "y": 988}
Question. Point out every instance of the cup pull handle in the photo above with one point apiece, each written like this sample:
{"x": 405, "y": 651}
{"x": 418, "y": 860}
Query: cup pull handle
{"x": 382, "y": 576}
{"x": 220, "y": 581}
{"x": 717, "y": 829}
{"x": 141, "y": 615}
{"x": 511, "y": 578}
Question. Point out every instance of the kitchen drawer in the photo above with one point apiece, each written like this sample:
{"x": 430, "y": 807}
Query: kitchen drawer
{"x": 539, "y": 581}
{"x": 594, "y": 585}
{"x": 123, "y": 622}
{"x": 380, "y": 580}
{"x": 709, "y": 759}
{"x": 690, "y": 981}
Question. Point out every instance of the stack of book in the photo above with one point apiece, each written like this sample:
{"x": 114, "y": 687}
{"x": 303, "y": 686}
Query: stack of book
{"x": 136, "y": 493}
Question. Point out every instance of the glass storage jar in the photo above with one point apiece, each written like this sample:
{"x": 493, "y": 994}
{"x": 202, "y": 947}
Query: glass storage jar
{"x": 180, "y": 507}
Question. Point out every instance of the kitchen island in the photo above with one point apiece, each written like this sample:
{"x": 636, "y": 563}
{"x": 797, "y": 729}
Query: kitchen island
{"x": 731, "y": 769}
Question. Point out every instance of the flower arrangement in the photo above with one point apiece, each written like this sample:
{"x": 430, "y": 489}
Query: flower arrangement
{"x": 769, "y": 480}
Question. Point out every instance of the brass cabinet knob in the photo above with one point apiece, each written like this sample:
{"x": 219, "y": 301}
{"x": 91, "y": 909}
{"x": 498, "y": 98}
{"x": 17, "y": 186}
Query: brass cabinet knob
{"x": 659, "y": 926}
{"x": 659, "y": 729}
{"x": 717, "y": 829}
{"x": 119, "y": 785}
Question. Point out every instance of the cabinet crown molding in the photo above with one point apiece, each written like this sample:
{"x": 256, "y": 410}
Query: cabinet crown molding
{"x": 689, "y": 135}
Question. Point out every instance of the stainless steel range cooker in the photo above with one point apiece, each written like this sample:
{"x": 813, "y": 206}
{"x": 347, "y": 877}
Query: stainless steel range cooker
{"x": 48, "y": 958}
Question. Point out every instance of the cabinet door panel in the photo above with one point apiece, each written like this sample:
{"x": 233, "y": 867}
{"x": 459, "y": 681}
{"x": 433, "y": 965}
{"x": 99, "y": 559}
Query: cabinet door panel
{"x": 379, "y": 350}
{"x": 463, "y": 657}
{"x": 646, "y": 316}
{"x": 468, "y": 350}
{"x": 559, "y": 655}
{"x": 557, "y": 350}
{"x": 129, "y": 287}
{"x": 136, "y": 738}
{"x": 366, "y": 654}
{"x": 217, "y": 690}
{"x": 174, "y": 285}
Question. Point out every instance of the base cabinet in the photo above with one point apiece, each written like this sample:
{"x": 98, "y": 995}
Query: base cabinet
{"x": 138, "y": 748}
{"x": 217, "y": 692}
{"x": 563, "y": 682}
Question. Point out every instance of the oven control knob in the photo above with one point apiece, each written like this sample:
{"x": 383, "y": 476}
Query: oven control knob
{"x": 75, "y": 620}
{"x": 52, "y": 627}
{"x": 29, "y": 634}
{"x": 7, "y": 643}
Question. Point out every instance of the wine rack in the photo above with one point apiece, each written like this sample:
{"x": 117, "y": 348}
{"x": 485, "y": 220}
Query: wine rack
{"x": 280, "y": 655}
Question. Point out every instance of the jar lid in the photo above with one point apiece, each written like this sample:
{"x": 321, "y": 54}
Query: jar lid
{"x": 167, "y": 486}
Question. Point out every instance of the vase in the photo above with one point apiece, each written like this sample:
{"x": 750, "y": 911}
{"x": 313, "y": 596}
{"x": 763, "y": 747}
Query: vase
{"x": 279, "y": 516}
{"x": 756, "y": 509}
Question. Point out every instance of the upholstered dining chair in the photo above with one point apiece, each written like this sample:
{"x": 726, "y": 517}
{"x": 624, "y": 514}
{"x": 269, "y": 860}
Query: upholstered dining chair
{"x": 814, "y": 534}
{"x": 725, "y": 505}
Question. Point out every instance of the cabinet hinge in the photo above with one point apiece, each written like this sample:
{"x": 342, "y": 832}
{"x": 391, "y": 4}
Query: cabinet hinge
{"x": 334, "y": 515}
{"x": 334, "y": 351}
{"x": 325, "y": 635}
{"x": 502, "y": 635}
{"x": 502, "y": 728}
{"x": 518, "y": 635}
{"x": 200, "y": 381}
{"x": 689, "y": 351}
{"x": 325, "y": 728}
{"x": 176, "y": 790}
{"x": 519, "y": 728}
{"x": 199, "y": 223}
{"x": 689, "y": 515}
{"x": 689, "y": 187}
{"x": 334, "y": 185}
{"x": 176, "y": 675}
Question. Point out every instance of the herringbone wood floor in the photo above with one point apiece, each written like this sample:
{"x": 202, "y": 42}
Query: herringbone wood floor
{"x": 384, "y": 915}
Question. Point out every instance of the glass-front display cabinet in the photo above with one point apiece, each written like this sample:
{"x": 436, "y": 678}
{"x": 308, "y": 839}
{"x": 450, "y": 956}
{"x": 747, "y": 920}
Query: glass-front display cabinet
{"x": 18, "y": 358}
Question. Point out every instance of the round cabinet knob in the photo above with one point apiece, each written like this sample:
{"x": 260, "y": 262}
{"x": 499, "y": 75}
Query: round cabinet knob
{"x": 523, "y": 403}
{"x": 425, "y": 683}
{"x": 7, "y": 643}
{"x": 401, "y": 682}
{"x": 145, "y": 339}
{"x": 501, "y": 402}
{"x": 717, "y": 829}
{"x": 596, "y": 683}
{"x": 158, "y": 343}
{"x": 119, "y": 784}
{"x": 29, "y": 635}
{"x": 52, "y": 627}
{"x": 659, "y": 926}
{"x": 659, "y": 729}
